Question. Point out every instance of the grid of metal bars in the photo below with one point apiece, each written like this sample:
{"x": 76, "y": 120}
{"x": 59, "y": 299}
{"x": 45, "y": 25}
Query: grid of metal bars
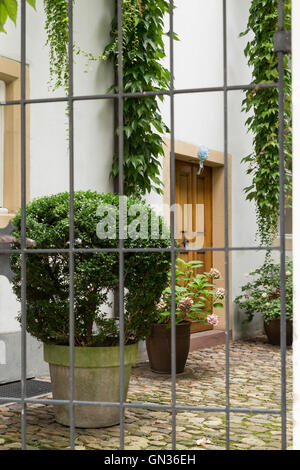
{"x": 24, "y": 252}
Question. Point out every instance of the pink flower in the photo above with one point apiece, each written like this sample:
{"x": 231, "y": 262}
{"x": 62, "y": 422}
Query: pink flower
{"x": 220, "y": 293}
{"x": 185, "y": 304}
{"x": 161, "y": 305}
{"x": 215, "y": 273}
{"x": 213, "y": 319}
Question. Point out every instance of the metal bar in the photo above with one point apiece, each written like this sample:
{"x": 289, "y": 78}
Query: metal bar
{"x": 226, "y": 211}
{"x": 296, "y": 225}
{"x": 281, "y": 99}
{"x": 71, "y": 225}
{"x": 138, "y": 250}
{"x": 23, "y": 226}
{"x": 172, "y": 220}
{"x": 142, "y": 94}
{"x": 70, "y": 99}
{"x": 153, "y": 406}
{"x": 121, "y": 216}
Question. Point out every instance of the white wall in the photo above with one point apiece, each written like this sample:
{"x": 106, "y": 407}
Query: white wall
{"x": 93, "y": 120}
{"x": 198, "y": 62}
{"x": 198, "y": 117}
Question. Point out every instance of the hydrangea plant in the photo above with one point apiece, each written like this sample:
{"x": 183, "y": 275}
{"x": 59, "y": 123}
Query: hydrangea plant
{"x": 262, "y": 294}
{"x": 196, "y": 296}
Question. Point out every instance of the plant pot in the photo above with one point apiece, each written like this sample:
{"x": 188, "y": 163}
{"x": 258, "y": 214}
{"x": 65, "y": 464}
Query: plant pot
{"x": 97, "y": 378}
{"x": 159, "y": 348}
{"x": 272, "y": 330}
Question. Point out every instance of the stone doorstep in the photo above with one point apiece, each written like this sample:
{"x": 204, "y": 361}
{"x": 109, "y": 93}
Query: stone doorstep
{"x": 207, "y": 339}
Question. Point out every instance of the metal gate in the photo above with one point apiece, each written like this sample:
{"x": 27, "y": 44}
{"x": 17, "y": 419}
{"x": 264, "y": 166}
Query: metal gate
{"x": 281, "y": 47}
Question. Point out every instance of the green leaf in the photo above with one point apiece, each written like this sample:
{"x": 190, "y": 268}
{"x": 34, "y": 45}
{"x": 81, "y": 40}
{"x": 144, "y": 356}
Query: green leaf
{"x": 32, "y": 3}
{"x": 3, "y": 16}
{"x": 12, "y": 9}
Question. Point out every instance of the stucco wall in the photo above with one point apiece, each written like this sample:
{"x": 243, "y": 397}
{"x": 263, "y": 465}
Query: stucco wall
{"x": 198, "y": 117}
{"x": 49, "y": 159}
{"x": 198, "y": 62}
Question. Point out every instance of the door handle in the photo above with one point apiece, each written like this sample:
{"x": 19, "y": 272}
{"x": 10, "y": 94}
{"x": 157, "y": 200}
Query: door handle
{"x": 185, "y": 243}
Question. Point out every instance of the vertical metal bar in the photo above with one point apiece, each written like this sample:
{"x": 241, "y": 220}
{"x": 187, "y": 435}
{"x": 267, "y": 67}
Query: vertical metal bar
{"x": 71, "y": 222}
{"x": 282, "y": 228}
{"x": 227, "y": 332}
{"x": 121, "y": 217}
{"x": 172, "y": 215}
{"x": 296, "y": 222}
{"x": 23, "y": 224}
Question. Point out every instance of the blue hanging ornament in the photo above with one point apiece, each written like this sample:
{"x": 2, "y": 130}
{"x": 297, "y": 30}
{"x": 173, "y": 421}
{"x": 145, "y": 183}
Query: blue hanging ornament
{"x": 203, "y": 153}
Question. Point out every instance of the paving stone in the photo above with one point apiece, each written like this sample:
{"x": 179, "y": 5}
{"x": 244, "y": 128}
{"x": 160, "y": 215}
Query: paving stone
{"x": 254, "y": 381}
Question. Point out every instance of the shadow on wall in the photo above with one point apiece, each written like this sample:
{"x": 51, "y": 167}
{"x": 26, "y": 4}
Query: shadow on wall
{"x": 244, "y": 329}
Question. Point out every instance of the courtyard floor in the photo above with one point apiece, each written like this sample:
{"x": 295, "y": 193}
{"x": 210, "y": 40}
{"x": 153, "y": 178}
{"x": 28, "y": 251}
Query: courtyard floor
{"x": 254, "y": 383}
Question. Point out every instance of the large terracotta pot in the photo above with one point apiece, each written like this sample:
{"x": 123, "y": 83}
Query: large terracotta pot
{"x": 272, "y": 330}
{"x": 97, "y": 378}
{"x": 159, "y": 348}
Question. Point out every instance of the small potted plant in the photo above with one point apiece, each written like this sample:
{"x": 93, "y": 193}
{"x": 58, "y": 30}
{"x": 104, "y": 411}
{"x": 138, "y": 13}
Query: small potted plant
{"x": 196, "y": 297}
{"x": 96, "y": 275}
{"x": 262, "y": 295}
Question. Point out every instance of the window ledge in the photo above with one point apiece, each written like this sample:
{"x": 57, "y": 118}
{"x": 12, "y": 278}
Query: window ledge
{"x": 5, "y": 219}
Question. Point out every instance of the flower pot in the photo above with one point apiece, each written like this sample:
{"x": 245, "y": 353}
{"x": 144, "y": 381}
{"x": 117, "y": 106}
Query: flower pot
{"x": 159, "y": 348}
{"x": 97, "y": 378}
{"x": 272, "y": 330}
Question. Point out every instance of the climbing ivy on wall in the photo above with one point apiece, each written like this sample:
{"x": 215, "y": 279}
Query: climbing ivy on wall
{"x": 143, "y": 49}
{"x": 262, "y": 105}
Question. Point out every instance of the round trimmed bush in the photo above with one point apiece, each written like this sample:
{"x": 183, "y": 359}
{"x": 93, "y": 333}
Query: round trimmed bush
{"x": 96, "y": 275}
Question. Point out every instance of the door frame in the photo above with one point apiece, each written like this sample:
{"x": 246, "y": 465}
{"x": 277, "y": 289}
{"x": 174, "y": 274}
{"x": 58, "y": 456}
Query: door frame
{"x": 189, "y": 153}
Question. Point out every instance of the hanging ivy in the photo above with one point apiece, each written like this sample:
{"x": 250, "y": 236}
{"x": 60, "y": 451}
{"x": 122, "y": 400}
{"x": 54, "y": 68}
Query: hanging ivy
{"x": 132, "y": 10}
{"x": 143, "y": 123}
{"x": 263, "y": 122}
{"x": 143, "y": 50}
{"x": 56, "y": 26}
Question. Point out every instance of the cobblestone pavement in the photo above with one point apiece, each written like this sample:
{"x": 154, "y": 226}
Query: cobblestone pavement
{"x": 254, "y": 383}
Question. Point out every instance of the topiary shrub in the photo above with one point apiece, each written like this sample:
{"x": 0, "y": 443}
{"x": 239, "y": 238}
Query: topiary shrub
{"x": 96, "y": 274}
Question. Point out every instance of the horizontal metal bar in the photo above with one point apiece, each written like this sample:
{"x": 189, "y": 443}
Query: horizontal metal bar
{"x": 153, "y": 406}
{"x": 141, "y": 94}
{"x": 135, "y": 250}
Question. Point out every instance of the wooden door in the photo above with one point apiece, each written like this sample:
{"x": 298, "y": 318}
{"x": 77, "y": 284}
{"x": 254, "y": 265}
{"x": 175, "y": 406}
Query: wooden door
{"x": 193, "y": 216}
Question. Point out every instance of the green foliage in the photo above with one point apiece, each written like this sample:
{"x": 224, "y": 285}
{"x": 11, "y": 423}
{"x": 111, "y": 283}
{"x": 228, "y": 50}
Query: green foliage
{"x": 262, "y": 294}
{"x": 196, "y": 296}
{"x": 56, "y": 26}
{"x": 262, "y": 105}
{"x": 143, "y": 49}
{"x": 96, "y": 274}
{"x": 9, "y": 9}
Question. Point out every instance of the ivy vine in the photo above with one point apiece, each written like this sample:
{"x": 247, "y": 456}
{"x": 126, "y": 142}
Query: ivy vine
{"x": 143, "y": 49}
{"x": 132, "y": 10}
{"x": 263, "y": 122}
{"x": 56, "y": 26}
